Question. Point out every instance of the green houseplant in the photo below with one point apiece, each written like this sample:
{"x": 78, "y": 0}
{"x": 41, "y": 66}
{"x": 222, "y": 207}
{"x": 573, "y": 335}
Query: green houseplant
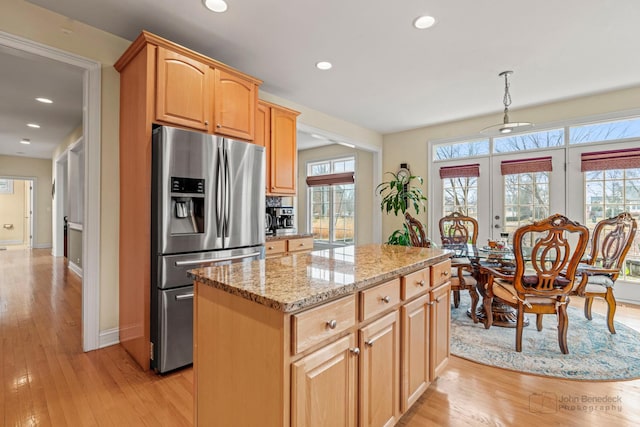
{"x": 398, "y": 196}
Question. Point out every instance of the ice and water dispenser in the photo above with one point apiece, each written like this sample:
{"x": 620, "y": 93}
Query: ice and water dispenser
{"x": 187, "y": 205}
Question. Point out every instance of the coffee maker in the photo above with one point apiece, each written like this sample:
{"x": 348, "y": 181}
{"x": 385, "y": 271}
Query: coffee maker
{"x": 280, "y": 220}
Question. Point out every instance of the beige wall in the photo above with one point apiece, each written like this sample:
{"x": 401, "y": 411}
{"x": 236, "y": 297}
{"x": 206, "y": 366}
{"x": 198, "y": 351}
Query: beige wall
{"x": 40, "y": 170}
{"x": 411, "y": 146}
{"x": 364, "y": 187}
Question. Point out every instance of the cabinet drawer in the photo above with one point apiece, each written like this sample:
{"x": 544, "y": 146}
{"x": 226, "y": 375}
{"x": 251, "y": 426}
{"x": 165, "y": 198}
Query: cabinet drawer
{"x": 379, "y": 298}
{"x": 440, "y": 273}
{"x": 415, "y": 283}
{"x": 304, "y": 244}
{"x": 275, "y": 247}
{"x": 313, "y": 326}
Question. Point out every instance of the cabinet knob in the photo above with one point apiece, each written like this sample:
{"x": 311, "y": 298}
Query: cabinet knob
{"x": 355, "y": 351}
{"x": 301, "y": 244}
{"x": 332, "y": 324}
{"x": 218, "y": 125}
{"x": 445, "y": 273}
{"x": 422, "y": 282}
{"x": 386, "y": 299}
{"x": 206, "y": 122}
{"x": 369, "y": 343}
{"x": 270, "y": 248}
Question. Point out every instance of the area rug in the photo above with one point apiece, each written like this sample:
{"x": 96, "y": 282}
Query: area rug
{"x": 594, "y": 353}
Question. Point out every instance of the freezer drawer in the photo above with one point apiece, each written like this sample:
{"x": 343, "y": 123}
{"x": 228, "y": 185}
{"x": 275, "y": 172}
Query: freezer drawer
{"x": 176, "y": 329}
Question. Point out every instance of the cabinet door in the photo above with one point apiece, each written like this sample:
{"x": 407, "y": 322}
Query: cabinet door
{"x": 263, "y": 137}
{"x": 323, "y": 385}
{"x": 415, "y": 350}
{"x": 235, "y": 105}
{"x": 439, "y": 332}
{"x": 283, "y": 152}
{"x": 183, "y": 90}
{"x": 380, "y": 372}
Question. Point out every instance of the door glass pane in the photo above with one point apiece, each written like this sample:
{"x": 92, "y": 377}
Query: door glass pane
{"x": 526, "y": 199}
{"x": 460, "y": 195}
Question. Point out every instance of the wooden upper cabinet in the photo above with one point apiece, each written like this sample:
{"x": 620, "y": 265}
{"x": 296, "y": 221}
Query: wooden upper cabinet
{"x": 183, "y": 90}
{"x": 235, "y": 105}
{"x": 263, "y": 137}
{"x": 283, "y": 155}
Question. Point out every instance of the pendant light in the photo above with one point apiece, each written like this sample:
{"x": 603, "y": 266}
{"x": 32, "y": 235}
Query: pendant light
{"x": 506, "y": 126}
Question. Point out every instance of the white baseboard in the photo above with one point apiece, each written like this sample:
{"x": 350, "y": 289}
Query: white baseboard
{"x": 75, "y": 268}
{"x": 42, "y": 245}
{"x": 108, "y": 337}
{"x": 10, "y": 242}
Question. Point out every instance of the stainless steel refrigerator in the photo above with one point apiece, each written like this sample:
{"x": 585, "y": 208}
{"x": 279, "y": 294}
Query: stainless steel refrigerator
{"x": 207, "y": 208}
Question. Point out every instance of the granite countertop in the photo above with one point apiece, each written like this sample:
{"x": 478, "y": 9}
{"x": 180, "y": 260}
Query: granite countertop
{"x": 298, "y": 281}
{"x": 288, "y": 236}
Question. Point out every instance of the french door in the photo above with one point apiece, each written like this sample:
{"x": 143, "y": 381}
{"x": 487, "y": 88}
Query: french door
{"x": 500, "y": 203}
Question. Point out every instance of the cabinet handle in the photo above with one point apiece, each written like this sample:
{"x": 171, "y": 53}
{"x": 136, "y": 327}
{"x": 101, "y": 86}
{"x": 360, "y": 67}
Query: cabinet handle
{"x": 444, "y": 273}
{"x": 332, "y": 324}
{"x": 386, "y": 299}
{"x": 422, "y": 282}
{"x": 369, "y": 343}
{"x": 218, "y": 125}
{"x": 301, "y": 244}
{"x": 270, "y": 248}
{"x": 355, "y": 351}
{"x": 206, "y": 122}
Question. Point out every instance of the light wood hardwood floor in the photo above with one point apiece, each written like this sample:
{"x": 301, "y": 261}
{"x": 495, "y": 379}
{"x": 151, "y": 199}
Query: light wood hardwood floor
{"x": 48, "y": 380}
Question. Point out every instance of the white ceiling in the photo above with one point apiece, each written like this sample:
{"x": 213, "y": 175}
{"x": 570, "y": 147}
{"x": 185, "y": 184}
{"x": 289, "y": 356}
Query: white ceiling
{"x": 24, "y": 77}
{"x": 388, "y": 76}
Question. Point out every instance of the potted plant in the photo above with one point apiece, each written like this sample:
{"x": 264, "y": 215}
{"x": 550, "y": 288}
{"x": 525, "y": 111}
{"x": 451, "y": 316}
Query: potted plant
{"x": 398, "y": 196}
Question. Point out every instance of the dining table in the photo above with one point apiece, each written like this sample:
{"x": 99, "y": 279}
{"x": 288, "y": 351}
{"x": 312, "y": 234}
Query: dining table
{"x": 499, "y": 258}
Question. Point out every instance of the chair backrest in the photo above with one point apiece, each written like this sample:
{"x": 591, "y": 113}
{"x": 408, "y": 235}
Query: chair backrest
{"x": 417, "y": 234}
{"x": 612, "y": 238}
{"x": 547, "y": 254}
{"x": 458, "y": 229}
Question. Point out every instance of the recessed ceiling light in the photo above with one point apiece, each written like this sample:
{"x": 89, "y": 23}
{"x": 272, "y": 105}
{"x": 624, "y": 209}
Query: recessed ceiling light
{"x": 33, "y": 125}
{"x": 323, "y": 65}
{"x": 25, "y": 141}
{"x": 215, "y": 5}
{"x": 424, "y": 22}
{"x": 44, "y": 100}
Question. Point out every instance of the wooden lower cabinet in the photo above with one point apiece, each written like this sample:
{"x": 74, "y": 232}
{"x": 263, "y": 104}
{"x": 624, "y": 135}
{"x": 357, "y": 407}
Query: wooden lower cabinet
{"x": 416, "y": 325}
{"x": 329, "y": 365}
{"x": 323, "y": 386}
{"x": 439, "y": 332}
{"x": 380, "y": 372}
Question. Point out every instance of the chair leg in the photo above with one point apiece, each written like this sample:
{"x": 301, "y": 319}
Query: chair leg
{"x": 519, "y": 327}
{"x": 563, "y": 323}
{"x": 611, "y": 309}
{"x": 488, "y": 314}
{"x": 456, "y": 298}
{"x": 474, "y": 303}
{"x": 539, "y": 321}
{"x": 588, "y": 302}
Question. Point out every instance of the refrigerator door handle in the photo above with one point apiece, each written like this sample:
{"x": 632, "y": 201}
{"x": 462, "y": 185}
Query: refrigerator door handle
{"x": 219, "y": 193}
{"x": 184, "y": 296}
{"x": 227, "y": 191}
{"x": 204, "y": 261}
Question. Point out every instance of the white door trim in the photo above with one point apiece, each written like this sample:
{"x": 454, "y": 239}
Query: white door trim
{"x": 91, "y": 132}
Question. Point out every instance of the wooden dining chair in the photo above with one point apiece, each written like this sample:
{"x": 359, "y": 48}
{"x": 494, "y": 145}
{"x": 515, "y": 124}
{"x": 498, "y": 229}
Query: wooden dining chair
{"x": 547, "y": 254}
{"x": 417, "y": 235}
{"x": 458, "y": 229}
{"x": 612, "y": 239}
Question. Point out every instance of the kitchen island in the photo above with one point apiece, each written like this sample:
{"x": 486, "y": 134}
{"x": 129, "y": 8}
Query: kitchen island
{"x": 348, "y": 336}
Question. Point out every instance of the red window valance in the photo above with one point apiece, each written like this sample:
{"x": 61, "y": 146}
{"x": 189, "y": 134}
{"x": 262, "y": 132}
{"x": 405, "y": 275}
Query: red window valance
{"x": 614, "y": 159}
{"x": 538, "y": 164}
{"x": 331, "y": 179}
{"x": 463, "y": 171}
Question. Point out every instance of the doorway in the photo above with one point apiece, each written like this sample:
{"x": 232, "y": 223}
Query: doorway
{"x": 16, "y": 213}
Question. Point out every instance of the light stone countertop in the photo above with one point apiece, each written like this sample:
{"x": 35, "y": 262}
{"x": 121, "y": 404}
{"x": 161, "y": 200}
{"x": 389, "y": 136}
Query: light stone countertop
{"x": 297, "y": 281}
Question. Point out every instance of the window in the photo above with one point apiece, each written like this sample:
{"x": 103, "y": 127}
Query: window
{"x": 529, "y": 141}
{"x": 461, "y": 149}
{"x": 460, "y": 189}
{"x": 332, "y": 200}
{"x": 605, "y": 131}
